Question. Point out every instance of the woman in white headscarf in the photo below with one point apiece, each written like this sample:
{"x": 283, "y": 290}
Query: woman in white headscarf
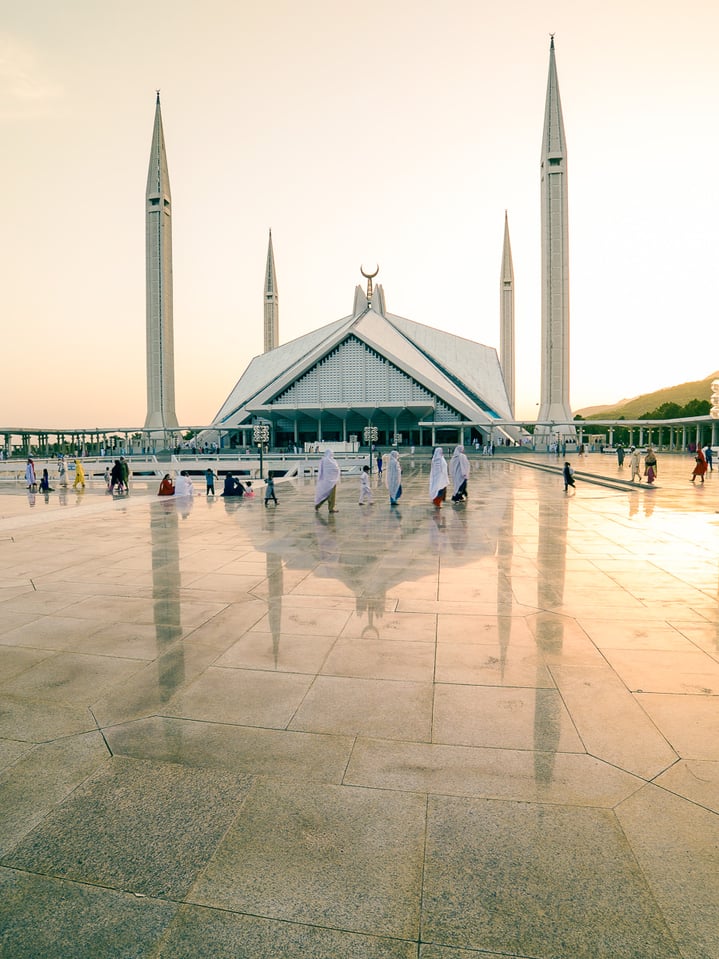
{"x": 394, "y": 478}
{"x": 459, "y": 467}
{"x": 438, "y": 478}
{"x": 327, "y": 479}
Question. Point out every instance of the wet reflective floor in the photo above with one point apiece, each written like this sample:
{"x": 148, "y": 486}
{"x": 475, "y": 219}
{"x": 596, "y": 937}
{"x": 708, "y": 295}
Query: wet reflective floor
{"x": 235, "y": 731}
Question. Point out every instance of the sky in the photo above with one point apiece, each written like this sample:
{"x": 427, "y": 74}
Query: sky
{"x": 385, "y": 132}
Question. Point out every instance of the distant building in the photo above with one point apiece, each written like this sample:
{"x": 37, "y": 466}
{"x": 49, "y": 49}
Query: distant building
{"x": 417, "y": 385}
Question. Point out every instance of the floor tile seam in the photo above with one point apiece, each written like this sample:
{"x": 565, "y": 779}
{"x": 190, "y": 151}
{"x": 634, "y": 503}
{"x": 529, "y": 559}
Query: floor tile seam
{"x": 266, "y": 917}
{"x": 88, "y": 883}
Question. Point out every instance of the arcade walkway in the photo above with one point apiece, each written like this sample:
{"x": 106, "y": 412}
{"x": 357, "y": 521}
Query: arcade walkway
{"x": 233, "y": 732}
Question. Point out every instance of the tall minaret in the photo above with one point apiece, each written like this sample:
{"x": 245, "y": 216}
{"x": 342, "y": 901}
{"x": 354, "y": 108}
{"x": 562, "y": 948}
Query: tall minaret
{"x": 158, "y": 286}
{"x": 506, "y": 317}
{"x": 272, "y": 302}
{"x": 554, "y": 397}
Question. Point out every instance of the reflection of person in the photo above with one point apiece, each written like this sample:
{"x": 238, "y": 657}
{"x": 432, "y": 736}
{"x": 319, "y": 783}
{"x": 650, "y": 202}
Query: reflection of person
{"x": 634, "y": 463}
{"x": 568, "y": 474}
{"x": 365, "y": 491}
{"x": 650, "y": 466}
{"x": 167, "y": 487}
{"x": 700, "y": 467}
{"x": 79, "y": 475}
{"x": 328, "y": 477}
{"x": 438, "y": 478}
{"x": 459, "y": 466}
{"x": 394, "y": 478}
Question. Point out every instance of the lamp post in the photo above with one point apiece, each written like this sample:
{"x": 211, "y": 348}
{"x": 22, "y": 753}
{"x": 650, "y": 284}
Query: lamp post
{"x": 371, "y": 434}
{"x": 261, "y": 435}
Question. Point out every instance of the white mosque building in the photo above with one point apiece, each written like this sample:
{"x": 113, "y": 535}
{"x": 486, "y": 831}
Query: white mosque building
{"x": 373, "y": 374}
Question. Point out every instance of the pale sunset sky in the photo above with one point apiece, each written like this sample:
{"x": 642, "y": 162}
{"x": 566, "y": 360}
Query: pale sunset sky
{"x": 391, "y": 132}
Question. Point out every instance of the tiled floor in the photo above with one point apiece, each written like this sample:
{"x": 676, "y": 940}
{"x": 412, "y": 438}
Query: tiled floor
{"x": 229, "y": 731}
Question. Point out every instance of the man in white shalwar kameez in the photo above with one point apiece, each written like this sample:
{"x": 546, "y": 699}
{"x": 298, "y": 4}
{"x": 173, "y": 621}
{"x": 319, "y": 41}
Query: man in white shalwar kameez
{"x": 459, "y": 468}
{"x": 328, "y": 477}
{"x": 438, "y": 478}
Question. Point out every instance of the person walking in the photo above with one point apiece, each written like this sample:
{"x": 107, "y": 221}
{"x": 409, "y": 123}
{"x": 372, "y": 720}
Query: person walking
{"x": 438, "y": 478}
{"x": 634, "y": 462}
{"x": 650, "y": 466}
{"x": 30, "y": 478}
{"x": 270, "y": 492}
{"x": 125, "y": 469}
{"x": 700, "y": 466}
{"x": 379, "y": 466}
{"x": 620, "y": 455}
{"x": 365, "y": 489}
{"x": 459, "y": 468}
{"x": 394, "y": 478}
{"x": 568, "y": 475}
{"x": 709, "y": 457}
{"x": 210, "y": 480}
{"x": 79, "y": 475}
{"x": 328, "y": 476}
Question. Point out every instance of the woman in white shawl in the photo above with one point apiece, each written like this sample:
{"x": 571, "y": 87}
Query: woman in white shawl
{"x": 394, "y": 478}
{"x": 30, "y": 478}
{"x": 438, "y": 478}
{"x": 327, "y": 479}
{"x": 459, "y": 467}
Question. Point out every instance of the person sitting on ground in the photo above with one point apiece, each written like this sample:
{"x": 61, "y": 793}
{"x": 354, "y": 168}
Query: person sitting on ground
{"x": 45, "y": 483}
{"x": 167, "y": 487}
{"x": 183, "y": 485}
{"x": 232, "y": 487}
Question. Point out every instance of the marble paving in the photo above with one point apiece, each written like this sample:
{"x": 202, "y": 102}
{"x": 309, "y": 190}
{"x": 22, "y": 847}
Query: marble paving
{"x": 388, "y": 733}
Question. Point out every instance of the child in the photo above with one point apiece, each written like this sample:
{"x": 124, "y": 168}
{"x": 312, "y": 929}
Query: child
{"x": 365, "y": 489}
{"x": 270, "y": 491}
{"x": 210, "y": 481}
{"x": 568, "y": 474}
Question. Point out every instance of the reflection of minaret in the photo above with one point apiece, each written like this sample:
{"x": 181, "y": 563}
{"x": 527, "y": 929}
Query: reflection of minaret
{"x": 272, "y": 303}
{"x": 551, "y": 564}
{"x": 555, "y": 259}
{"x": 506, "y": 317}
{"x": 166, "y": 598}
{"x": 158, "y": 285}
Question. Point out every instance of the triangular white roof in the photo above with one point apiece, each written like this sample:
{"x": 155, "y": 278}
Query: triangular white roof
{"x": 464, "y": 375}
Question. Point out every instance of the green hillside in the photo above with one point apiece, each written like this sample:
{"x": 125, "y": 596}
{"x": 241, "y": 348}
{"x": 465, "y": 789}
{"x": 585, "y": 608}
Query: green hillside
{"x": 633, "y": 408}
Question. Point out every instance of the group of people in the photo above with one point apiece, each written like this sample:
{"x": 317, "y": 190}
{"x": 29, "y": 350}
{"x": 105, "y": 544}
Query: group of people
{"x": 328, "y": 477}
{"x": 439, "y": 473}
{"x": 182, "y": 486}
{"x": 31, "y": 480}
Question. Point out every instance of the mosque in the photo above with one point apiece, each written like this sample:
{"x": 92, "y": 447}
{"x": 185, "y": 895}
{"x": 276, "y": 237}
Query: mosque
{"x": 373, "y": 375}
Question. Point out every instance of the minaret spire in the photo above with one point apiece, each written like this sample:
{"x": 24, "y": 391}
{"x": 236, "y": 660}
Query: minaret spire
{"x": 272, "y": 302}
{"x": 554, "y": 405}
{"x": 158, "y": 286}
{"x": 506, "y": 317}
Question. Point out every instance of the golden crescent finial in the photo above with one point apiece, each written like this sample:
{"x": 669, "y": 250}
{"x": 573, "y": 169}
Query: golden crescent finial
{"x": 369, "y": 277}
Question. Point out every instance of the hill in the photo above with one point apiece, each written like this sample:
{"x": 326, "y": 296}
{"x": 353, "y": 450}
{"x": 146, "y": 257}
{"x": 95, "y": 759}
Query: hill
{"x": 635, "y": 407}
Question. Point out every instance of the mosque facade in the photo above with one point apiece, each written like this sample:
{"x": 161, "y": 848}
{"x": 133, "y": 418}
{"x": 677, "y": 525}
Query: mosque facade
{"x": 412, "y": 384}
